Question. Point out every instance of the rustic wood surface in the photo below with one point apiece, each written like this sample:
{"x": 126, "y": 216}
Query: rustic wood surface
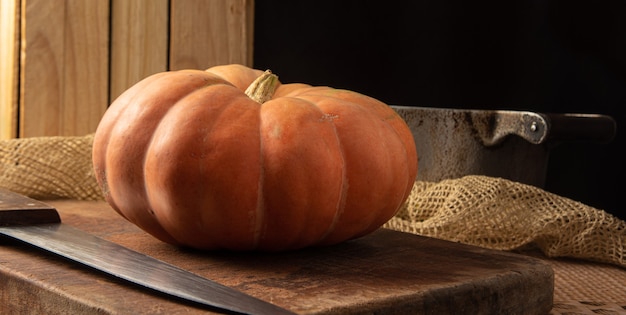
{"x": 9, "y": 74}
{"x": 139, "y": 41}
{"x": 64, "y": 66}
{"x": 63, "y": 62}
{"x": 210, "y": 33}
{"x": 386, "y": 272}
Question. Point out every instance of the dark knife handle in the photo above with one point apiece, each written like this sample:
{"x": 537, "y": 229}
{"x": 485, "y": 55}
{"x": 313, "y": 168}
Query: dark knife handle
{"x": 16, "y": 209}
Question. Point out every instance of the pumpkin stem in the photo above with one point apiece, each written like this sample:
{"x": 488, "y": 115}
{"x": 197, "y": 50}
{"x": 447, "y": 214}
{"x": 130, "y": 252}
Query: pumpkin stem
{"x": 263, "y": 88}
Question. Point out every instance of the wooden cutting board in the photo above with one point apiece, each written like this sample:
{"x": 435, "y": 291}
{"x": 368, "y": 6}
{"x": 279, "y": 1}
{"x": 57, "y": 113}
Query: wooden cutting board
{"x": 386, "y": 272}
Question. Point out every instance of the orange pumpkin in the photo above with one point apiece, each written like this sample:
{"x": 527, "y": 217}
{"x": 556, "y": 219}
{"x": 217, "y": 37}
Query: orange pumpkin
{"x": 193, "y": 160}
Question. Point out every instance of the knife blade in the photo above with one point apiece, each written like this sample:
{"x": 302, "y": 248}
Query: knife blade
{"x": 38, "y": 224}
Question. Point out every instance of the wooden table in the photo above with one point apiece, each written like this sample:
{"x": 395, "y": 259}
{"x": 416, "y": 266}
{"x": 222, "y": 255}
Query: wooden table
{"x": 386, "y": 272}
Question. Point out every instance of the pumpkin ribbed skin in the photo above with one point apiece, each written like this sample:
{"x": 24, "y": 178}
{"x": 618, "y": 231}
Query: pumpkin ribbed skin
{"x": 192, "y": 160}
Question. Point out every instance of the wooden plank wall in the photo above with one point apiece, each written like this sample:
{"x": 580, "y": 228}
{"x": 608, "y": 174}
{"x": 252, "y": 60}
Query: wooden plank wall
{"x": 139, "y": 41}
{"x": 64, "y": 66}
{"x": 9, "y": 58}
{"x": 76, "y": 56}
{"x": 227, "y": 37}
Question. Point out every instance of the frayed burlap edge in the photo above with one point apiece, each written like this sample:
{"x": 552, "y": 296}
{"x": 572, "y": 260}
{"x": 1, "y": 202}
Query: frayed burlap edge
{"x": 501, "y": 214}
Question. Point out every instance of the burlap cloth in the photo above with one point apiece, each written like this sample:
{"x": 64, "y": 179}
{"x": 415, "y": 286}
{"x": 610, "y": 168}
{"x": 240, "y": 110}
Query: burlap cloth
{"x": 489, "y": 212}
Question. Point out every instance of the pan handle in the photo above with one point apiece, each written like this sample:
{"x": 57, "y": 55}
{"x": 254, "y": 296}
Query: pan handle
{"x": 594, "y": 128}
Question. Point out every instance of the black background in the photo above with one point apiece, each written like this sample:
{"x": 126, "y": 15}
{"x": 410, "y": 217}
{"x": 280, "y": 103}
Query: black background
{"x": 545, "y": 56}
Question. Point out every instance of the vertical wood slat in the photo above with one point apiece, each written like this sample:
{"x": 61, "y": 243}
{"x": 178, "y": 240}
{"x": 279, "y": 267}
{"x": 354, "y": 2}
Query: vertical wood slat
{"x": 139, "y": 38}
{"x": 9, "y": 67}
{"x": 64, "y": 66}
{"x": 208, "y": 33}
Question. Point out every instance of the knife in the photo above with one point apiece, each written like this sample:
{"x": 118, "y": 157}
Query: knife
{"x": 39, "y": 224}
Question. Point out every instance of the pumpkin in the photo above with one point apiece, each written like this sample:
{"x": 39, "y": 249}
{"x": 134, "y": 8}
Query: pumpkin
{"x": 230, "y": 158}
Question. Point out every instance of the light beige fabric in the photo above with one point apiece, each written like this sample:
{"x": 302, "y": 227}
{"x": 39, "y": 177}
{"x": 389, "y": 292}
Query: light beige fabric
{"x": 501, "y": 214}
{"x": 49, "y": 167}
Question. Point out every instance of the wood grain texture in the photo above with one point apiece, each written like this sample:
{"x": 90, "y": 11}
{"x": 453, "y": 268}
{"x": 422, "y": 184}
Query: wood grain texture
{"x": 9, "y": 67}
{"x": 139, "y": 41}
{"x": 386, "y": 272}
{"x": 64, "y": 61}
{"x": 64, "y": 66}
{"x": 210, "y": 33}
